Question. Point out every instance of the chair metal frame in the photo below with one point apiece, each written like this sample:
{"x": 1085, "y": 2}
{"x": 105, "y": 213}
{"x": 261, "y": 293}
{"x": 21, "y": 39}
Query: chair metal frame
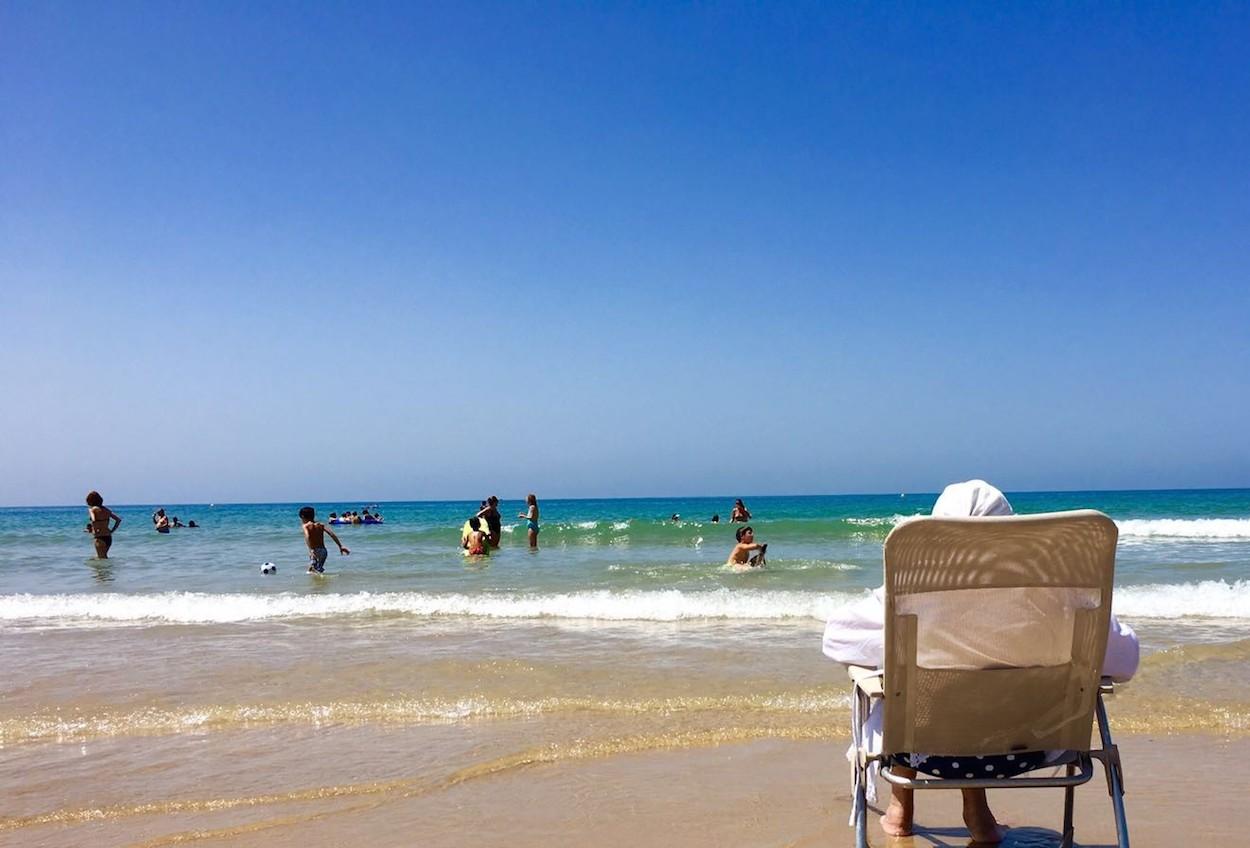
{"x": 868, "y": 686}
{"x": 1078, "y": 765}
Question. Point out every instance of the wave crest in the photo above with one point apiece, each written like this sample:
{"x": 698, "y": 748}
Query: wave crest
{"x": 205, "y": 608}
{"x": 1207, "y": 599}
{"x": 1186, "y": 528}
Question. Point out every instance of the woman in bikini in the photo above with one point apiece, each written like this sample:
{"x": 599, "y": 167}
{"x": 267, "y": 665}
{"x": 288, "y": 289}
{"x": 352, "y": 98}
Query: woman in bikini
{"x": 98, "y": 525}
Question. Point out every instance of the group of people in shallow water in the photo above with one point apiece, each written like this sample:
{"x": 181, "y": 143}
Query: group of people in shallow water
{"x": 478, "y": 542}
{"x": 164, "y": 523}
{"x": 102, "y": 522}
{"x": 474, "y": 540}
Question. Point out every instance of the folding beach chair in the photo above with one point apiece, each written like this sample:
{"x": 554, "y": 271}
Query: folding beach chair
{"x": 995, "y": 630}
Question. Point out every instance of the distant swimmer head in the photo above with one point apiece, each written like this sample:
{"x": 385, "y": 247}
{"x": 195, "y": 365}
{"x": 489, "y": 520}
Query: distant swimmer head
{"x": 94, "y": 498}
{"x": 716, "y": 519}
{"x": 675, "y": 517}
{"x": 971, "y": 498}
{"x": 333, "y": 515}
{"x": 307, "y": 513}
{"x": 268, "y": 568}
{"x": 743, "y": 532}
{"x": 492, "y": 501}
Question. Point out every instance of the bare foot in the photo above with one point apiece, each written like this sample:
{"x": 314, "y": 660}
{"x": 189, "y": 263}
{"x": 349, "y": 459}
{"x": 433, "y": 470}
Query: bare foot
{"x": 897, "y": 820}
{"x": 982, "y": 826}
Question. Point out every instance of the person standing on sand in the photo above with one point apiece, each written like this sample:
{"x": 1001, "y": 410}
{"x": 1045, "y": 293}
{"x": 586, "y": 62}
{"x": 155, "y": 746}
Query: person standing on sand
{"x": 98, "y": 524}
{"x": 315, "y": 537}
{"x": 531, "y": 520}
{"x": 740, "y": 513}
{"x": 494, "y": 521}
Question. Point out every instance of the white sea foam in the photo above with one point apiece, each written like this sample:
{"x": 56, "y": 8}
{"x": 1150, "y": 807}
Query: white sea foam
{"x": 1208, "y": 599}
{"x": 1132, "y": 528}
{"x": 586, "y": 525}
{"x": 620, "y": 525}
{"x": 203, "y": 608}
{"x": 1186, "y": 528}
{"x": 879, "y": 521}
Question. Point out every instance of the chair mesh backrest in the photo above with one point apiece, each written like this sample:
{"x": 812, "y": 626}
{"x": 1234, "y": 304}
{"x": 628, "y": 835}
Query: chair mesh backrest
{"x": 995, "y": 631}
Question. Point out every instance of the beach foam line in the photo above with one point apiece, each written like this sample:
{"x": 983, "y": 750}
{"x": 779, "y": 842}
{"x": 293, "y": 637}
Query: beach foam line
{"x": 1185, "y": 528}
{"x": 205, "y": 608}
{"x": 1208, "y": 599}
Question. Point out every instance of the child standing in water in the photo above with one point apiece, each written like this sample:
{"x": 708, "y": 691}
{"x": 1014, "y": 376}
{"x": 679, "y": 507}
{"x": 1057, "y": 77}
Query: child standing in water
{"x": 475, "y": 542}
{"x": 747, "y": 545}
{"x": 315, "y": 537}
{"x": 98, "y": 525}
{"x": 531, "y": 520}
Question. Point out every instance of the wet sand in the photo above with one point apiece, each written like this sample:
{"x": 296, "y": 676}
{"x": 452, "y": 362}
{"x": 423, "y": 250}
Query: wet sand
{"x": 782, "y": 792}
{"x": 456, "y": 733}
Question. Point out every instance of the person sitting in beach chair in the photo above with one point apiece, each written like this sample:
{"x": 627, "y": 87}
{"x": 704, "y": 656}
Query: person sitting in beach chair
{"x": 999, "y": 644}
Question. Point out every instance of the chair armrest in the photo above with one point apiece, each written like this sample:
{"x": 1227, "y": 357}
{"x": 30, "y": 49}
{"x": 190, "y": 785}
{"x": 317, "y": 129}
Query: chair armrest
{"x": 867, "y": 680}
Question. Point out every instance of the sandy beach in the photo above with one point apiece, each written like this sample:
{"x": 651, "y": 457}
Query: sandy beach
{"x": 777, "y": 792}
{"x": 307, "y": 732}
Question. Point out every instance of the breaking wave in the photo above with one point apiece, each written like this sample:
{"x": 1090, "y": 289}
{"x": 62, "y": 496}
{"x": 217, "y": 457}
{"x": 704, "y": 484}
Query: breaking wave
{"x": 1206, "y": 599}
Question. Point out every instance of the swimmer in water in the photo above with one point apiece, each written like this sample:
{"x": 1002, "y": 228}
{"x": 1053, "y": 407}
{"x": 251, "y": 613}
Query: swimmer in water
{"x": 315, "y": 537}
{"x": 475, "y": 542}
{"x": 531, "y": 520}
{"x": 98, "y": 525}
{"x": 494, "y": 522}
{"x": 741, "y": 554}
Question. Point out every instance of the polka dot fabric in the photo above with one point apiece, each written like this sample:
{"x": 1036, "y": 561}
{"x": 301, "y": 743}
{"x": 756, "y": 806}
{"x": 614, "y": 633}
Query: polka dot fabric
{"x": 998, "y": 766}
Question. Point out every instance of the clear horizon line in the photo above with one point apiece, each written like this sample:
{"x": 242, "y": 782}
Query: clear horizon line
{"x": 364, "y": 501}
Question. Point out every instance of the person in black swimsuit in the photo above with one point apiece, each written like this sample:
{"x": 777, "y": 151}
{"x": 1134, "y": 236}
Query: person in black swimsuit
{"x": 98, "y": 525}
{"x": 494, "y": 524}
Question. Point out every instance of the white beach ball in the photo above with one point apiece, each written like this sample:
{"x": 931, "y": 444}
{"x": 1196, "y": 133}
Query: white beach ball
{"x": 268, "y": 568}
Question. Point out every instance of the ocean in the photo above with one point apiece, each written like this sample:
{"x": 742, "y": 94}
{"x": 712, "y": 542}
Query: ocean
{"x": 176, "y": 664}
{"x": 1184, "y": 557}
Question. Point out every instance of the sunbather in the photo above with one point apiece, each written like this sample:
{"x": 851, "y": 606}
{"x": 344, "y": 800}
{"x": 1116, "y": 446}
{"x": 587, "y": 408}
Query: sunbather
{"x": 855, "y": 635}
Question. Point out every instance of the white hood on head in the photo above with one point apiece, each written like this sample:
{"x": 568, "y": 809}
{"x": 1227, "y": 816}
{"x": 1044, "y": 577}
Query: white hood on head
{"x": 973, "y": 497}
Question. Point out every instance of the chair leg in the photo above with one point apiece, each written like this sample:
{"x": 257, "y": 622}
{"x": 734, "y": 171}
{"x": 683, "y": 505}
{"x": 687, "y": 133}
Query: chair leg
{"x": 1069, "y": 796}
{"x": 861, "y": 809}
{"x": 1115, "y": 784}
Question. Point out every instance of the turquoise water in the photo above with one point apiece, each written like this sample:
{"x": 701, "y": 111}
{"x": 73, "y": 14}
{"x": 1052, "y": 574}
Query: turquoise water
{"x": 1183, "y": 555}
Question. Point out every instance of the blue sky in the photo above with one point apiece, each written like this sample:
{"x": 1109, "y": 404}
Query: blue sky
{"x": 315, "y": 251}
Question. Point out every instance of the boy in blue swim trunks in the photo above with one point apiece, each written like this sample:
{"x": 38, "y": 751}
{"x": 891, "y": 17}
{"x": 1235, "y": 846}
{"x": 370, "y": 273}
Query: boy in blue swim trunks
{"x": 315, "y": 537}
